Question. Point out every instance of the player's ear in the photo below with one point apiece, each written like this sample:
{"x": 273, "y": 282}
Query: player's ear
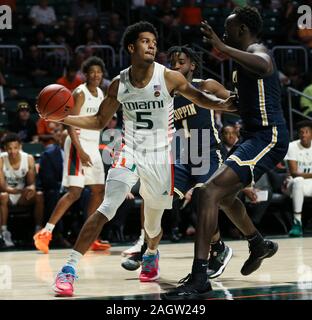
{"x": 131, "y": 48}
{"x": 193, "y": 66}
{"x": 242, "y": 29}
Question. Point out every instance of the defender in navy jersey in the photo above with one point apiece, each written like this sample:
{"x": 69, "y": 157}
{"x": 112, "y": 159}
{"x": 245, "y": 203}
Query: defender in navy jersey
{"x": 265, "y": 143}
{"x": 196, "y": 134}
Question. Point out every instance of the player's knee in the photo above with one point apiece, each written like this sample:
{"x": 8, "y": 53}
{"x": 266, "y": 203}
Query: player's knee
{"x": 152, "y": 230}
{"x": 108, "y": 209}
{"x": 4, "y": 197}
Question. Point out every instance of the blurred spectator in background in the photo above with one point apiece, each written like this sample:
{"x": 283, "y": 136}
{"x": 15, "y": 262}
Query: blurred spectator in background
{"x": 84, "y": 12}
{"x": 42, "y": 14}
{"x": 17, "y": 184}
{"x": 70, "y": 33}
{"x": 229, "y": 138}
{"x": 190, "y": 14}
{"x": 305, "y": 103}
{"x": 23, "y": 125}
{"x": 90, "y": 37}
{"x": 39, "y": 38}
{"x": 50, "y": 180}
{"x": 295, "y": 75}
{"x": 35, "y": 64}
{"x": 46, "y": 131}
{"x": 71, "y": 80}
{"x": 116, "y": 24}
{"x": 161, "y": 58}
{"x": 288, "y": 21}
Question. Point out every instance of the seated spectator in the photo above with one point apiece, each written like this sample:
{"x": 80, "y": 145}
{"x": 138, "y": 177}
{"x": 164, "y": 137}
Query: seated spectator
{"x": 23, "y": 125}
{"x": 42, "y": 14}
{"x": 17, "y": 184}
{"x": 229, "y": 138}
{"x": 84, "y": 12}
{"x": 190, "y": 14}
{"x": 71, "y": 80}
{"x": 50, "y": 180}
{"x": 305, "y": 36}
{"x": 36, "y": 64}
{"x": 46, "y": 130}
{"x": 299, "y": 184}
{"x": 39, "y": 38}
{"x": 70, "y": 33}
{"x": 90, "y": 37}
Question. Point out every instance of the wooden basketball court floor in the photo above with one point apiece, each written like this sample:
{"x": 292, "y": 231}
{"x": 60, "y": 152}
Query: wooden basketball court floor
{"x": 28, "y": 275}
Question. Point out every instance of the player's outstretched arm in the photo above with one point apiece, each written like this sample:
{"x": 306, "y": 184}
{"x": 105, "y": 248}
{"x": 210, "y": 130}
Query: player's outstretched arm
{"x": 177, "y": 82}
{"x": 255, "y": 59}
{"x": 106, "y": 111}
{"x": 214, "y": 87}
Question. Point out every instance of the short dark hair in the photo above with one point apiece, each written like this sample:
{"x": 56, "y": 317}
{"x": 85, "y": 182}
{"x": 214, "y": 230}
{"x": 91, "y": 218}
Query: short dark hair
{"x": 92, "y": 61}
{"x": 189, "y": 52}
{"x": 11, "y": 137}
{"x": 228, "y": 125}
{"x": 132, "y": 32}
{"x": 304, "y": 123}
{"x": 251, "y": 17}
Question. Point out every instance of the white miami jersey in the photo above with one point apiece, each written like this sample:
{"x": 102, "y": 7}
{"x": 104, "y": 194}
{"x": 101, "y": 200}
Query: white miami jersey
{"x": 15, "y": 178}
{"x": 148, "y": 112}
{"x": 90, "y": 106}
{"x": 302, "y": 155}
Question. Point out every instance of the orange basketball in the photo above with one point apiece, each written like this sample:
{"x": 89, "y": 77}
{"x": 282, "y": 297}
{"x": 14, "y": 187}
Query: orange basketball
{"x": 55, "y": 102}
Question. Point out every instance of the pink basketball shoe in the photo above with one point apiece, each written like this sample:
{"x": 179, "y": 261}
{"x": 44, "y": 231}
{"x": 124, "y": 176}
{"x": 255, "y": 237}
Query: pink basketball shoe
{"x": 150, "y": 268}
{"x": 64, "y": 282}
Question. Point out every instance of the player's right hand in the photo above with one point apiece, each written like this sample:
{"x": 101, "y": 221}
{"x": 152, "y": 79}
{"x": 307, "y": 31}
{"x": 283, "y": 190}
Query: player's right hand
{"x": 85, "y": 159}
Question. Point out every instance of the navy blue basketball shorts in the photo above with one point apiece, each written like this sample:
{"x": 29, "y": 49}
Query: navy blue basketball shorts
{"x": 188, "y": 175}
{"x": 259, "y": 152}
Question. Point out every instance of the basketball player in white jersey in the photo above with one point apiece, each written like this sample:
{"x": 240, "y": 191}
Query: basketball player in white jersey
{"x": 145, "y": 91}
{"x": 299, "y": 184}
{"x": 83, "y": 165}
{"x": 17, "y": 184}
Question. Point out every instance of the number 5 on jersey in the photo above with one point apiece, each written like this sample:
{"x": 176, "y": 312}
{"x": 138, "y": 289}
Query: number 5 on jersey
{"x": 142, "y": 118}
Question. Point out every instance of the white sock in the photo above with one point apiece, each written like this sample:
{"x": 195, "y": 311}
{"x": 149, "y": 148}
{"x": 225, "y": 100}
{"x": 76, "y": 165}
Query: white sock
{"x": 297, "y": 216}
{"x": 73, "y": 259}
{"x": 49, "y": 227}
{"x": 4, "y": 228}
{"x": 151, "y": 252}
{"x": 142, "y": 235}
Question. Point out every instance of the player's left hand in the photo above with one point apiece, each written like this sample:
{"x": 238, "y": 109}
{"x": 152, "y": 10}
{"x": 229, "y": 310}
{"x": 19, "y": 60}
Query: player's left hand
{"x": 28, "y": 193}
{"x": 211, "y": 37}
{"x": 251, "y": 194}
{"x": 229, "y": 104}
